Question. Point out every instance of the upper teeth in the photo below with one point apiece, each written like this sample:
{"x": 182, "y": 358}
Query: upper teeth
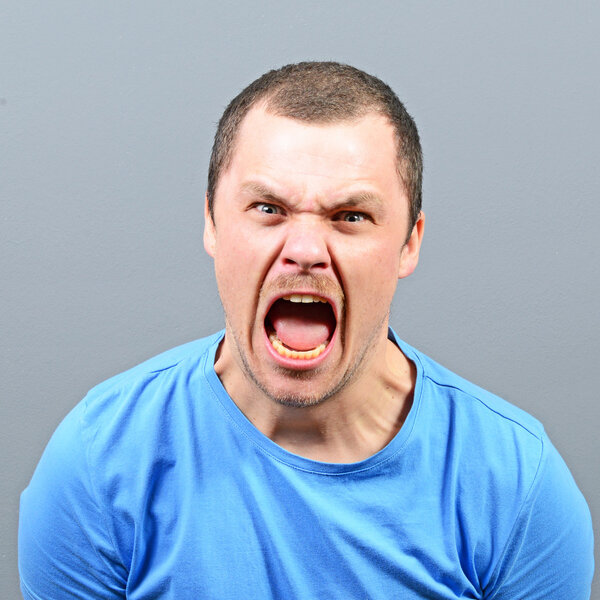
{"x": 306, "y": 298}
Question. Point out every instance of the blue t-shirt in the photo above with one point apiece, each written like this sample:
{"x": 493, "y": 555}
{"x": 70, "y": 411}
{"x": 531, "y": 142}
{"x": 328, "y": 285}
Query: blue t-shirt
{"x": 157, "y": 486}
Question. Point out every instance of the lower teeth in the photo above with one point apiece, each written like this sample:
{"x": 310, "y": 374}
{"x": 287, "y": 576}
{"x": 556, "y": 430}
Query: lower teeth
{"x": 281, "y": 349}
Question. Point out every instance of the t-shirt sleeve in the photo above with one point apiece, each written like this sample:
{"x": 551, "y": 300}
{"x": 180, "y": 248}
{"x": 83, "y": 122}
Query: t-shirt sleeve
{"x": 549, "y": 555}
{"x": 65, "y": 550}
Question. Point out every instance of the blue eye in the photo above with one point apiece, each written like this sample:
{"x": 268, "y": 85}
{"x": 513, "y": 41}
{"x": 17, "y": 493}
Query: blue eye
{"x": 354, "y": 217}
{"x": 349, "y": 216}
{"x": 267, "y": 209}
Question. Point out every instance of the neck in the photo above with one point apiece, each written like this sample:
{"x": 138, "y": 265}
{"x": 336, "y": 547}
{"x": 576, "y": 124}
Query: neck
{"x": 349, "y": 427}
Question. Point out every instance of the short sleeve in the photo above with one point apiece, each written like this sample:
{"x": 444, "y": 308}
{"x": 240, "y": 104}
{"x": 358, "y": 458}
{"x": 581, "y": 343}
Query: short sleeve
{"x": 550, "y": 552}
{"x": 65, "y": 550}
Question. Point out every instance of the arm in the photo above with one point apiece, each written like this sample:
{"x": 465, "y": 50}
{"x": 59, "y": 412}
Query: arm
{"x": 549, "y": 555}
{"x": 65, "y": 550}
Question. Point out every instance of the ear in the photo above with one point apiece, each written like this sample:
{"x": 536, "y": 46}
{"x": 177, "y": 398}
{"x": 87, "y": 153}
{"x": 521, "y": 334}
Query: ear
{"x": 409, "y": 256}
{"x": 210, "y": 235}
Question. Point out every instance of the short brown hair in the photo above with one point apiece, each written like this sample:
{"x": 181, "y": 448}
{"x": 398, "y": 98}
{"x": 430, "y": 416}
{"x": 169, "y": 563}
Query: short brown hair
{"x": 322, "y": 92}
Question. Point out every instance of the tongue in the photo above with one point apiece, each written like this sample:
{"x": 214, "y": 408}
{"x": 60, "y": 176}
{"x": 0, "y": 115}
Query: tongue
{"x": 302, "y": 326}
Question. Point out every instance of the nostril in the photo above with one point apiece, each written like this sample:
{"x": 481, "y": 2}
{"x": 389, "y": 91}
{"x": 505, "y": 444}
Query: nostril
{"x": 304, "y": 264}
{"x": 320, "y": 265}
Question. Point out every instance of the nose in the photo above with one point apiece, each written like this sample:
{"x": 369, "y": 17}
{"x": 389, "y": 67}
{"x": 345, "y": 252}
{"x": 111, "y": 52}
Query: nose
{"x": 305, "y": 247}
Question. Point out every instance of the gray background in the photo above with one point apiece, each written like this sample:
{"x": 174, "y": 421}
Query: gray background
{"x": 107, "y": 111}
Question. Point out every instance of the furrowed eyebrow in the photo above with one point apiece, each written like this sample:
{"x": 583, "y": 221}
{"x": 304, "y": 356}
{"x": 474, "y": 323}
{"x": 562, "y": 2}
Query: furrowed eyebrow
{"x": 364, "y": 200}
{"x": 258, "y": 190}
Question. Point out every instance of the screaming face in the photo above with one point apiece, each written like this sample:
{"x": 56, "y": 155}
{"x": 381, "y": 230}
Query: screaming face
{"x": 309, "y": 239}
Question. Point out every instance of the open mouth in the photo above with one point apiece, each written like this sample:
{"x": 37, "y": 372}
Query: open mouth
{"x": 300, "y": 326}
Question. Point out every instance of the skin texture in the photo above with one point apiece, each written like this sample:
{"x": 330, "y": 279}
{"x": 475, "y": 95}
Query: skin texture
{"x": 315, "y": 209}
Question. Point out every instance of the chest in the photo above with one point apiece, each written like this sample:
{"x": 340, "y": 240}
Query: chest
{"x": 251, "y": 530}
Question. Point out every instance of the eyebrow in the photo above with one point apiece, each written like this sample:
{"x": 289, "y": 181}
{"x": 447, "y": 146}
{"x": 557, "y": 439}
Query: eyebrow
{"x": 259, "y": 190}
{"x": 363, "y": 199}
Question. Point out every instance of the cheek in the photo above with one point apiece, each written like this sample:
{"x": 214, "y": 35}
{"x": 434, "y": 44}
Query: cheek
{"x": 228, "y": 273}
{"x": 232, "y": 254}
{"x": 380, "y": 290}
{"x": 237, "y": 270}
{"x": 378, "y": 270}
{"x": 374, "y": 284}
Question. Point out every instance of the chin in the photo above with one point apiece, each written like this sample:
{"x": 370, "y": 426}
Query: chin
{"x": 299, "y": 389}
{"x": 296, "y": 400}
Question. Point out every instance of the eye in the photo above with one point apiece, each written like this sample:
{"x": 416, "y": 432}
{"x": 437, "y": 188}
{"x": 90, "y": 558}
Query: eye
{"x": 350, "y": 216}
{"x": 267, "y": 209}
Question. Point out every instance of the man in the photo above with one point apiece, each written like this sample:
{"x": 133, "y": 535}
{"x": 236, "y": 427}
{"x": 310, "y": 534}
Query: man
{"x": 306, "y": 451}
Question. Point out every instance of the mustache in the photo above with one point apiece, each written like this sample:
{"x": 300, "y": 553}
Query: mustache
{"x": 321, "y": 285}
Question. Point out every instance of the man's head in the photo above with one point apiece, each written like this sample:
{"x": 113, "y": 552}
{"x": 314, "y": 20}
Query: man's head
{"x": 310, "y": 231}
{"x": 322, "y": 93}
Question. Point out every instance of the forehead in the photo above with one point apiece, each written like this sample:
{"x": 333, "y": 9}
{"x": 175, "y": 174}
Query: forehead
{"x": 358, "y": 152}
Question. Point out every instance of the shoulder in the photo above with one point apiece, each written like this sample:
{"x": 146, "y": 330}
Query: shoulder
{"x": 488, "y": 446}
{"x": 162, "y": 362}
{"x": 144, "y": 386}
{"x": 485, "y": 431}
{"x": 480, "y": 414}
{"x": 119, "y": 413}
{"x": 95, "y": 471}
{"x": 499, "y": 463}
